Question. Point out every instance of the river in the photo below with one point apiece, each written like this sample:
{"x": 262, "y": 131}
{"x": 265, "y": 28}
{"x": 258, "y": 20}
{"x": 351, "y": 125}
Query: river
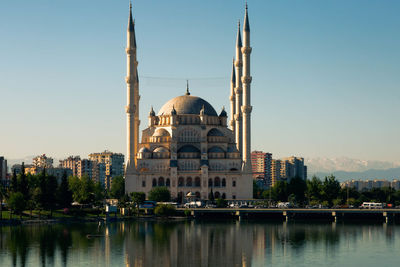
{"x": 194, "y": 243}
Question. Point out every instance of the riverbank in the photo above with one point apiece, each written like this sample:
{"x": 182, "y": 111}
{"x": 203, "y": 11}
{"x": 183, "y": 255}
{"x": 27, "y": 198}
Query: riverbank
{"x": 26, "y": 219}
{"x": 265, "y": 215}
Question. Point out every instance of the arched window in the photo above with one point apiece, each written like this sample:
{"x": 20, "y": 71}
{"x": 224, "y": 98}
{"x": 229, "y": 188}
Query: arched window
{"x": 217, "y": 181}
{"x": 217, "y": 195}
{"x": 223, "y": 182}
{"x": 143, "y": 183}
{"x": 161, "y": 181}
{"x": 223, "y": 196}
{"x": 197, "y": 182}
{"x": 233, "y": 183}
{"x": 189, "y": 134}
{"x": 189, "y": 181}
{"x": 154, "y": 182}
{"x": 210, "y": 183}
{"x": 168, "y": 183}
{"x": 180, "y": 181}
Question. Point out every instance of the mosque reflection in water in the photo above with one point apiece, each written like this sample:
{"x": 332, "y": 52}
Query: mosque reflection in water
{"x": 175, "y": 244}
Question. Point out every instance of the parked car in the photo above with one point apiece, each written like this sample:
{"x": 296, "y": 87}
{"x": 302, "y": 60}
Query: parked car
{"x": 284, "y": 205}
{"x": 193, "y": 204}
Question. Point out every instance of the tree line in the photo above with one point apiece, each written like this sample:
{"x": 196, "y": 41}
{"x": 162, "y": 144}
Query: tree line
{"x": 326, "y": 192}
{"x": 43, "y": 192}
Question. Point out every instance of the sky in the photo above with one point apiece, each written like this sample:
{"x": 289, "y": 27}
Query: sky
{"x": 326, "y": 74}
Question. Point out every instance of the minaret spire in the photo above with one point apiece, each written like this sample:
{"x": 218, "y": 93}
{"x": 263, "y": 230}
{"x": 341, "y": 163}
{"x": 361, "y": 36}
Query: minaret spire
{"x": 232, "y": 98}
{"x": 187, "y": 87}
{"x": 246, "y": 108}
{"x": 132, "y": 105}
{"x": 238, "y": 92}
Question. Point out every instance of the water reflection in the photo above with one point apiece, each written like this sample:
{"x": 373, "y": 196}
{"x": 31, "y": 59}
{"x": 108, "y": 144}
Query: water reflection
{"x": 189, "y": 243}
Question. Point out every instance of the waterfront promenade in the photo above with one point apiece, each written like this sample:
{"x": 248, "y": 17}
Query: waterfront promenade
{"x": 385, "y": 215}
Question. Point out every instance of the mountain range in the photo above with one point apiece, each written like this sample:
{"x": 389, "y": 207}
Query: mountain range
{"x": 347, "y": 168}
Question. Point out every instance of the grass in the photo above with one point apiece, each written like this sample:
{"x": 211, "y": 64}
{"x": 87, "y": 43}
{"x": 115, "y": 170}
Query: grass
{"x": 57, "y": 214}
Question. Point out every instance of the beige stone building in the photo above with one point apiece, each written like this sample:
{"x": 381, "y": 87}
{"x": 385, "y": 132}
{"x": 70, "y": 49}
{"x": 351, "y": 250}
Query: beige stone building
{"x": 187, "y": 146}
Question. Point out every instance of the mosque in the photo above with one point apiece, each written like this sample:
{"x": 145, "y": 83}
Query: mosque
{"x": 187, "y": 146}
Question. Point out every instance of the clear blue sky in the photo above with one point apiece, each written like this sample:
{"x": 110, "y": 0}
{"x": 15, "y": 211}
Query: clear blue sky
{"x": 326, "y": 74}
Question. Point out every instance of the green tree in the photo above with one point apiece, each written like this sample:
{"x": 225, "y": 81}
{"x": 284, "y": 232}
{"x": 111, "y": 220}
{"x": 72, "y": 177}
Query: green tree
{"x": 160, "y": 194}
{"x": 82, "y": 189}
{"x": 64, "y": 194}
{"x": 314, "y": 189}
{"x": 23, "y": 184}
{"x": 331, "y": 189}
{"x": 37, "y": 199}
{"x": 50, "y": 197}
{"x": 14, "y": 182}
{"x": 74, "y": 183}
{"x": 117, "y": 187}
{"x": 298, "y": 187}
{"x": 138, "y": 198}
{"x": 16, "y": 202}
{"x": 3, "y": 195}
{"x": 98, "y": 192}
{"x": 211, "y": 196}
{"x": 279, "y": 191}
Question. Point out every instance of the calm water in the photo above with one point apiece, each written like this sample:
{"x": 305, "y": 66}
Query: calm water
{"x": 201, "y": 244}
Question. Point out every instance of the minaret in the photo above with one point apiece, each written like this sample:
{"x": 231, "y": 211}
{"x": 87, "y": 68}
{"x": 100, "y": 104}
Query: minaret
{"x": 137, "y": 99}
{"x": 246, "y": 108}
{"x": 132, "y": 90}
{"x": 238, "y": 91}
{"x": 232, "y": 98}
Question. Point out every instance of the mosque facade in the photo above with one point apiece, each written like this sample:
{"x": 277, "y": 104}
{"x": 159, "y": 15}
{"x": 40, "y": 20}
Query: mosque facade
{"x": 188, "y": 146}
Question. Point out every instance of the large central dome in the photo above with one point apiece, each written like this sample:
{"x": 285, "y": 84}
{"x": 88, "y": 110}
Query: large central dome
{"x": 187, "y": 104}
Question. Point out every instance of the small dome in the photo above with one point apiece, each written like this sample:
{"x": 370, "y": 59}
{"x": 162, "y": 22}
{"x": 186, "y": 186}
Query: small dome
{"x": 188, "y": 149}
{"x": 161, "y": 132}
{"x": 223, "y": 113}
{"x": 144, "y": 150}
{"x": 160, "y": 149}
{"x": 215, "y": 132}
{"x": 216, "y": 149}
{"x": 187, "y": 104}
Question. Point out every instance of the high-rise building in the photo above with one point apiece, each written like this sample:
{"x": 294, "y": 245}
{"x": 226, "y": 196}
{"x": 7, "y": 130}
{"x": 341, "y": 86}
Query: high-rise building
{"x": 261, "y": 166}
{"x": 43, "y": 161}
{"x": 3, "y": 168}
{"x": 275, "y": 171}
{"x": 108, "y": 165}
{"x": 292, "y": 167}
{"x": 72, "y": 162}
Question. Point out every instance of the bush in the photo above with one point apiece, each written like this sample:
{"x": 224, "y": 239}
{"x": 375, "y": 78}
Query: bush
{"x": 16, "y": 202}
{"x": 164, "y": 210}
{"x": 187, "y": 213}
{"x": 221, "y": 203}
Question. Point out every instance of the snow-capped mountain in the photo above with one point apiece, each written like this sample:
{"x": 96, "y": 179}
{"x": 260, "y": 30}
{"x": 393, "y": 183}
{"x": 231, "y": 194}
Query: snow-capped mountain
{"x": 327, "y": 165}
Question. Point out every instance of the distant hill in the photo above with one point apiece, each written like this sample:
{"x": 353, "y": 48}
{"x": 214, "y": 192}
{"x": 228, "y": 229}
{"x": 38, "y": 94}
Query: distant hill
{"x": 389, "y": 174}
{"x": 327, "y": 165}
